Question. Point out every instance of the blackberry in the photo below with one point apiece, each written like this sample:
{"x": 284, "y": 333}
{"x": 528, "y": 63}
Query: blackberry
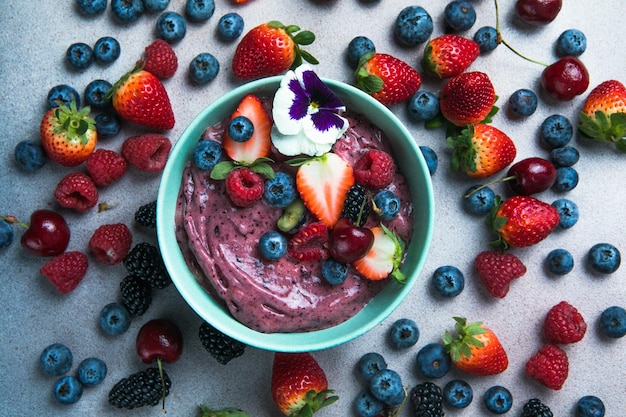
{"x": 535, "y": 408}
{"x": 136, "y": 295}
{"x": 222, "y": 347}
{"x": 427, "y": 400}
{"x": 356, "y": 207}
{"x": 139, "y": 389}
{"x": 144, "y": 261}
{"x": 146, "y": 215}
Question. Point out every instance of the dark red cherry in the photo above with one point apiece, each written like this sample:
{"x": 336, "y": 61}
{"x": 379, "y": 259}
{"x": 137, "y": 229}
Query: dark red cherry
{"x": 531, "y": 175}
{"x": 566, "y": 78}
{"x": 349, "y": 242}
{"x": 47, "y": 235}
{"x": 159, "y": 340}
{"x": 538, "y": 12}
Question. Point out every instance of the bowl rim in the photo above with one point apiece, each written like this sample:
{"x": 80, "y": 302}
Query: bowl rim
{"x": 196, "y": 296}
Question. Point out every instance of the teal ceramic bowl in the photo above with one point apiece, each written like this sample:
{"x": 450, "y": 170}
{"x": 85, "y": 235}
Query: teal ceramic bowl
{"x": 411, "y": 164}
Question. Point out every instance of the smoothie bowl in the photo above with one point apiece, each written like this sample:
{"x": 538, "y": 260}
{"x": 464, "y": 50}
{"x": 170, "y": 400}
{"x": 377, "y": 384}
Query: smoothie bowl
{"x": 300, "y": 289}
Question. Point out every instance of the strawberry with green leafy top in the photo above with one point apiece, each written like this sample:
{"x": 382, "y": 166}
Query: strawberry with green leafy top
{"x": 449, "y": 55}
{"x": 387, "y": 78}
{"x": 468, "y": 98}
{"x": 384, "y": 257}
{"x": 603, "y": 116}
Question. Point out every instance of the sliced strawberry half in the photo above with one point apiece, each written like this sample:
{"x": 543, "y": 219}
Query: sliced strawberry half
{"x": 384, "y": 258}
{"x": 259, "y": 145}
{"x": 323, "y": 183}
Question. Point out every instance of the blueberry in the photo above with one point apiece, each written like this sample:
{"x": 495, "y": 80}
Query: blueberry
{"x": 566, "y": 179}
{"x": 386, "y": 204}
{"x": 589, "y": 406}
{"x": 56, "y": 359}
{"x": 240, "y": 129}
{"x": 487, "y": 38}
{"x": 458, "y": 393}
{"x": 565, "y": 156}
{"x": 96, "y": 94}
{"x": 206, "y": 154}
{"x": 423, "y": 106}
{"x": 386, "y": 386}
{"x": 366, "y": 405}
{"x": 604, "y": 258}
{"x": 280, "y": 191}
{"x": 155, "y": 6}
{"x": 433, "y": 361}
{"x": 114, "y": 319}
{"x": 199, "y": 10}
{"x": 556, "y": 131}
{"x": 613, "y": 322}
{"x": 230, "y": 26}
{"x": 430, "y": 157}
{"x": 92, "y": 371}
{"x": 107, "y": 124}
{"x": 91, "y": 7}
{"x": 127, "y": 11}
{"x": 523, "y": 102}
{"x": 30, "y": 156}
{"x": 67, "y": 390}
{"x": 359, "y": 46}
{"x": 559, "y": 262}
{"x": 572, "y": 42}
{"x": 479, "y": 199}
{"x": 370, "y": 364}
{"x": 460, "y": 15}
{"x": 203, "y": 68}
{"x": 272, "y": 245}
{"x": 404, "y": 333}
{"x": 171, "y": 26}
{"x": 6, "y": 234}
{"x": 335, "y": 272}
{"x": 568, "y": 212}
{"x": 448, "y": 281}
{"x": 413, "y": 25}
{"x": 62, "y": 94}
{"x": 79, "y": 55}
{"x": 106, "y": 50}
{"x": 498, "y": 399}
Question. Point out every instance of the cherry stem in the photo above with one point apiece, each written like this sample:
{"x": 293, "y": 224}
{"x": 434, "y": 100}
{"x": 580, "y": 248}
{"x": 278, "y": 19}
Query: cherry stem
{"x": 160, "y": 366}
{"x": 509, "y": 178}
{"x": 13, "y": 220}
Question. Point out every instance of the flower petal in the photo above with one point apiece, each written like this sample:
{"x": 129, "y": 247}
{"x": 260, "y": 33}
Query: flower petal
{"x": 292, "y": 145}
{"x": 321, "y": 96}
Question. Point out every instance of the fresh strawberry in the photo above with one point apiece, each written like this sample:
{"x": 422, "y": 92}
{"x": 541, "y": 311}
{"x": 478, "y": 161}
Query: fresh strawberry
{"x": 387, "y": 78}
{"x": 310, "y": 243}
{"x": 564, "y": 324}
{"x": 497, "y": 269}
{"x": 522, "y": 221}
{"x": 374, "y": 169}
{"x": 105, "y": 166}
{"x": 159, "y": 59}
{"x": 481, "y": 150}
{"x": 299, "y": 386}
{"x": 384, "y": 257}
{"x": 140, "y": 97}
{"x": 68, "y": 135}
{"x": 468, "y": 98}
{"x": 323, "y": 183}
{"x": 549, "y": 366}
{"x": 76, "y": 191}
{"x": 66, "y": 270}
{"x": 260, "y": 144}
{"x": 110, "y": 243}
{"x": 147, "y": 152}
{"x": 475, "y": 349}
{"x": 244, "y": 187}
{"x": 271, "y": 49}
{"x": 449, "y": 55}
{"x": 603, "y": 116}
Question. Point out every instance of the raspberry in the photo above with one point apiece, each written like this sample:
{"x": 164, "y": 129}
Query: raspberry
{"x": 549, "y": 366}
{"x": 374, "y": 169}
{"x": 147, "y": 152}
{"x": 497, "y": 269}
{"x": 564, "y": 324}
{"x": 160, "y": 59}
{"x": 76, "y": 191}
{"x": 110, "y": 243}
{"x": 66, "y": 271}
{"x": 310, "y": 243}
{"x": 222, "y": 347}
{"x": 144, "y": 262}
{"x": 105, "y": 166}
{"x": 244, "y": 187}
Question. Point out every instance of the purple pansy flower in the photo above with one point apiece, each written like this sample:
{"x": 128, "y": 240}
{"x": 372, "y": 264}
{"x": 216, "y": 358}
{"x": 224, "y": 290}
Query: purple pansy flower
{"x": 306, "y": 114}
